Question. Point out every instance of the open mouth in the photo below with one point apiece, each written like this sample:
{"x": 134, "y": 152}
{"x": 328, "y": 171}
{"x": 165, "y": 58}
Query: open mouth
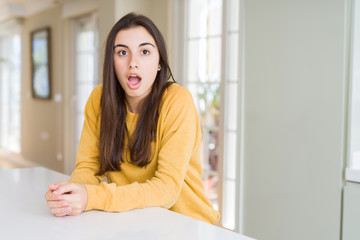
{"x": 134, "y": 81}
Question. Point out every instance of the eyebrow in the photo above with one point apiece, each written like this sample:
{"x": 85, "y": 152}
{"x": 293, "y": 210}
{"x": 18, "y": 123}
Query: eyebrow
{"x": 142, "y": 44}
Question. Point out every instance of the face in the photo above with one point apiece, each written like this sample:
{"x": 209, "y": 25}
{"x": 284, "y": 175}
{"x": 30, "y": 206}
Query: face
{"x": 136, "y": 63}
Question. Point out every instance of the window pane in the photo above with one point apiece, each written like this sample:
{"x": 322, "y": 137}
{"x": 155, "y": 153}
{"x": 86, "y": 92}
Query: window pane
{"x": 197, "y": 16}
{"x": 230, "y": 155}
{"x": 214, "y": 17}
{"x": 10, "y": 92}
{"x": 233, "y": 15}
{"x": 233, "y": 57}
{"x": 208, "y": 95}
{"x": 210, "y": 165}
{"x": 193, "y": 88}
{"x": 213, "y": 59}
{"x": 204, "y": 60}
{"x": 196, "y": 60}
{"x": 205, "y": 17}
{"x": 86, "y": 38}
{"x": 231, "y": 103}
{"x": 84, "y": 91}
{"x": 85, "y": 67}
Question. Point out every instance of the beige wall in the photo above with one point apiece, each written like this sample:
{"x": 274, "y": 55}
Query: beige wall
{"x": 45, "y": 122}
{"x": 42, "y": 119}
{"x": 156, "y": 10}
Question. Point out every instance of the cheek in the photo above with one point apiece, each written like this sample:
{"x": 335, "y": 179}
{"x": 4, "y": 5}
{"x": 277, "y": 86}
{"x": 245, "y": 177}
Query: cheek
{"x": 153, "y": 65}
{"x": 118, "y": 67}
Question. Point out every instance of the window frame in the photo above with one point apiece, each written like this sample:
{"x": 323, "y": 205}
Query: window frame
{"x": 73, "y": 101}
{"x": 223, "y": 81}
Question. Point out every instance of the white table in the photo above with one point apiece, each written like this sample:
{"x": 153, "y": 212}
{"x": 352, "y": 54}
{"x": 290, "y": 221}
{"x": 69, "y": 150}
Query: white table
{"x": 25, "y": 215}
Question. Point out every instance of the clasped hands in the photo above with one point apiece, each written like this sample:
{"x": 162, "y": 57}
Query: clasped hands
{"x": 66, "y": 198}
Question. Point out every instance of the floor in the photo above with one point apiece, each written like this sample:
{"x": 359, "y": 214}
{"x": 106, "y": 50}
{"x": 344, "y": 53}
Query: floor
{"x": 10, "y": 160}
{"x": 5, "y": 164}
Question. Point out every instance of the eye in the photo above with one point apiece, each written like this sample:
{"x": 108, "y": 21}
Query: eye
{"x": 122, "y": 52}
{"x": 145, "y": 52}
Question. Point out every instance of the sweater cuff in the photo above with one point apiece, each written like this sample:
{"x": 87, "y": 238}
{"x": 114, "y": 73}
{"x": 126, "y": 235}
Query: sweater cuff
{"x": 96, "y": 197}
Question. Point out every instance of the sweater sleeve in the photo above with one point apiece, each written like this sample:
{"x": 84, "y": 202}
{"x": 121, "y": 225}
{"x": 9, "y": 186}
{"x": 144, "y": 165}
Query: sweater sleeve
{"x": 179, "y": 136}
{"x": 87, "y": 163}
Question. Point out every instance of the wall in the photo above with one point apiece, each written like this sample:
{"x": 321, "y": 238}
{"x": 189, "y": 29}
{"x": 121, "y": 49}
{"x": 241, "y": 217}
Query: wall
{"x": 45, "y": 122}
{"x": 156, "y": 10}
{"x": 42, "y": 119}
{"x": 294, "y": 119}
{"x": 351, "y": 212}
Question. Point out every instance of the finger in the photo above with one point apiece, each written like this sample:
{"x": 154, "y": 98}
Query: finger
{"x": 74, "y": 213}
{"x": 65, "y": 188}
{"x": 53, "y": 187}
{"x": 50, "y": 196}
{"x": 62, "y": 211}
{"x": 58, "y": 204}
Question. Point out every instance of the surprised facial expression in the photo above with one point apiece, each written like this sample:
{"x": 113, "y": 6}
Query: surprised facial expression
{"x": 136, "y": 63}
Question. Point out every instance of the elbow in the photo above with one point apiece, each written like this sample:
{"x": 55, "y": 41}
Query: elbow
{"x": 171, "y": 196}
{"x": 168, "y": 204}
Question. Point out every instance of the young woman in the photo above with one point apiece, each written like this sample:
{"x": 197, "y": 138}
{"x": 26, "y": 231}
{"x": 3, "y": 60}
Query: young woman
{"x": 141, "y": 132}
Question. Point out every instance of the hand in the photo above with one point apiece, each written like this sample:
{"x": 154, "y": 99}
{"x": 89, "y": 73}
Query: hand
{"x": 66, "y": 198}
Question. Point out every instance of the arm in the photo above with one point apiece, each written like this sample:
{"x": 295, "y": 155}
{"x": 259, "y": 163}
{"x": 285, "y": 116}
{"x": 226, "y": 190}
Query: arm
{"x": 70, "y": 198}
{"x": 87, "y": 163}
{"x": 179, "y": 135}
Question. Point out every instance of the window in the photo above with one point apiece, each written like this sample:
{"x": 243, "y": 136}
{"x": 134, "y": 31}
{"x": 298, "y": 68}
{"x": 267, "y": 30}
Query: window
{"x": 10, "y": 92}
{"x": 211, "y": 72}
{"x": 353, "y": 170}
{"x": 85, "y": 73}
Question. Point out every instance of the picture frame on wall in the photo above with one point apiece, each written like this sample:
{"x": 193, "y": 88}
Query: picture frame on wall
{"x": 40, "y": 61}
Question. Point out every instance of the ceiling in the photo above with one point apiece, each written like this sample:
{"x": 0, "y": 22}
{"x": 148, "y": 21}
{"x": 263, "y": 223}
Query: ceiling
{"x": 22, "y": 8}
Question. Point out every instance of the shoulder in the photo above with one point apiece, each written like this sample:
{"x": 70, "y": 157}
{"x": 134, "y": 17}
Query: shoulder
{"x": 96, "y": 94}
{"x": 93, "y": 102}
{"x": 97, "y": 91}
{"x": 177, "y": 101}
{"x": 176, "y": 93}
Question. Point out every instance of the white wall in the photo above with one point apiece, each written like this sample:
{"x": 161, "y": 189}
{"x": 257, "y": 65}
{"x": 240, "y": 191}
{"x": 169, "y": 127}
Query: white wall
{"x": 294, "y": 119}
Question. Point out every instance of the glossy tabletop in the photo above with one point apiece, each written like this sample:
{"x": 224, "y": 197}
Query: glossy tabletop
{"x": 25, "y": 215}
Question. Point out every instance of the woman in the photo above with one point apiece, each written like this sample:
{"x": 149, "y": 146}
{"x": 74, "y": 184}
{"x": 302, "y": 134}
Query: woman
{"x": 141, "y": 132}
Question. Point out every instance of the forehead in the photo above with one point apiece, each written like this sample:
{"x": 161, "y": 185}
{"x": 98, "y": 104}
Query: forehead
{"x": 134, "y": 36}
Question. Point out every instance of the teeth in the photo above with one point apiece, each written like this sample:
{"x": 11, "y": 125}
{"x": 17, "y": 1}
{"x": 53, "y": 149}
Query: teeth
{"x": 133, "y": 75}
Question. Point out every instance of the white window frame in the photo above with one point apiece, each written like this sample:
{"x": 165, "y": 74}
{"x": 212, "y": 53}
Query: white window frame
{"x": 179, "y": 21}
{"x": 73, "y": 102}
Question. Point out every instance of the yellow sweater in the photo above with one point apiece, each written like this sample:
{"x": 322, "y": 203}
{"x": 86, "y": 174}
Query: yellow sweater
{"x": 173, "y": 178}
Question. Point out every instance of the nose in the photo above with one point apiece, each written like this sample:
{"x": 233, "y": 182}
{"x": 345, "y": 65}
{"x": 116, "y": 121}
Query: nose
{"x": 133, "y": 63}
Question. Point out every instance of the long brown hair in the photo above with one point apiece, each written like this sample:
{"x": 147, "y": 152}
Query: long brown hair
{"x": 113, "y": 130}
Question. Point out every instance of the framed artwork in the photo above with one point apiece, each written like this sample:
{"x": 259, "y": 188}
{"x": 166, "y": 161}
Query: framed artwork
{"x": 40, "y": 61}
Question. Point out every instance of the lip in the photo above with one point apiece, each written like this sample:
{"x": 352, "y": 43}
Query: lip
{"x": 133, "y": 85}
{"x": 134, "y": 75}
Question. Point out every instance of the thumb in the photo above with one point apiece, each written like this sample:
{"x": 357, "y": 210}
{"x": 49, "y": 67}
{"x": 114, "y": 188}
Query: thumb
{"x": 53, "y": 187}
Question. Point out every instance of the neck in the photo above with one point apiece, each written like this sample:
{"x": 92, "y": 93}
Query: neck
{"x": 133, "y": 105}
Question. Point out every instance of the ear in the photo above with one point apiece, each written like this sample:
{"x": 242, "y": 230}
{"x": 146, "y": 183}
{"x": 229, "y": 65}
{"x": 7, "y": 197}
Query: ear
{"x": 159, "y": 67}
